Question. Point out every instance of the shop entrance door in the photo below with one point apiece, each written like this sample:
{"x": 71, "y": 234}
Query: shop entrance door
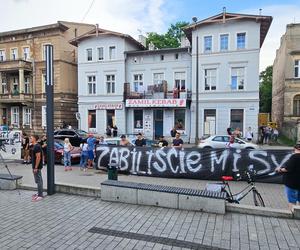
{"x": 158, "y": 123}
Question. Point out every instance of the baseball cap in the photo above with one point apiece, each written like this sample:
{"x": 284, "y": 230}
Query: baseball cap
{"x": 297, "y": 146}
{"x": 123, "y": 136}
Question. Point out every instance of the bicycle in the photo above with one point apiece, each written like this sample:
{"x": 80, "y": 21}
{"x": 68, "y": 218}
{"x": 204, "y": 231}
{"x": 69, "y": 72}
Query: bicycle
{"x": 237, "y": 197}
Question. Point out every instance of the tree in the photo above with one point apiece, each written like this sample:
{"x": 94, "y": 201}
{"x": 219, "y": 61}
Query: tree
{"x": 265, "y": 90}
{"x": 171, "y": 39}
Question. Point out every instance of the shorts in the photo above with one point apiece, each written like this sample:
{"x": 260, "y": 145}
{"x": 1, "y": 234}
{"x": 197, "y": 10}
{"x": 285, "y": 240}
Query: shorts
{"x": 91, "y": 155}
{"x": 293, "y": 195}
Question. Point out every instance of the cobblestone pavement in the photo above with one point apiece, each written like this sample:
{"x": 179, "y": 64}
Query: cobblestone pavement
{"x": 273, "y": 194}
{"x": 63, "y": 222}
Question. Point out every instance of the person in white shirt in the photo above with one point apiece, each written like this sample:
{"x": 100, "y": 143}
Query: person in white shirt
{"x": 249, "y": 134}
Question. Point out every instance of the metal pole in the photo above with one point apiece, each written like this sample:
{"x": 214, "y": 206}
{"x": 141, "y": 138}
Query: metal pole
{"x": 49, "y": 116}
{"x": 197, "y": 92}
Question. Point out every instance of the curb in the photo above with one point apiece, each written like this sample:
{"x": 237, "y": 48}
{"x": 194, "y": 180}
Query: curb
{"x": 94, "y": 192}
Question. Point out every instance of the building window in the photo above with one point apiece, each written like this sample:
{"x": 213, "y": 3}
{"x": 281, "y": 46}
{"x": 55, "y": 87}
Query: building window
{"x": 224, "y": 42}
{"x": 110, "y": 84}
{"x": 15, "y": 116}
{"x": 162, "y": 57}
{"x": 297, "y": 64}
{"x": 26, "y": 53}
{"x": 158, "y": 78}
{"x": 179, "y": 119}
{"x": 4, "y": 86}
{"x": 112, "y": 52}
{"x": 92, "y": 119}
{"x": 14, "y": 54}
{"x": 15, "y": 90}
{"x": 44, "y": 50}
{"x": 209, "y": 122}
{"x": 176, "y": 56}
{"x": 241, "y": 40}
{"x": 26, "y": 85}
{"x": 2, "y": 55}
{"x": 237, "y": 78}
{"x": 179, "y": 80}
{"x": 207, "y": 44}
{"x": 210, "y": 79}
{"x": 237, "y": 119}
{"x": 138, "y": 83}
{"x": 27, "y": 116}
{"x": 43, "y": 81}
{"x": 110, "y": 118}
{"x": 296, "y": 105}
{"x": 91, "y": 85}
{"x": 138, "y": 119}
{"x": 100, "y": 54}
{"x": 89, "y": 55}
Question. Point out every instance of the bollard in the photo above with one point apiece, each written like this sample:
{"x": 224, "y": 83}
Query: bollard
{"x": 112, "y": 171}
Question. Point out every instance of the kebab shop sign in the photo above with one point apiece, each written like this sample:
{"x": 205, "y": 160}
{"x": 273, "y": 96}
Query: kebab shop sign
{"x": 147, "y": 103}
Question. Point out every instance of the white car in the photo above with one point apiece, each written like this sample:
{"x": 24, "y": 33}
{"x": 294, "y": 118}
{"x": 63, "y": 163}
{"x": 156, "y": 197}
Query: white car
{"x": 222, "y": 141}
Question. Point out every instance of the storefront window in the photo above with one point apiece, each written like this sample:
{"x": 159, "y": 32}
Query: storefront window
{"x": 179, "y": 119}
{"x": 138, "y": 119}
{"x": 92, "y": 119}
{"x": 209, "y": 121}
{"x": 110, "y": 118}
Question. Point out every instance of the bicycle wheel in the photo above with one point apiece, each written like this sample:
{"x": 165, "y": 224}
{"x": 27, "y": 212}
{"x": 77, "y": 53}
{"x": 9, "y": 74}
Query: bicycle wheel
{"x": 258, "y": 200}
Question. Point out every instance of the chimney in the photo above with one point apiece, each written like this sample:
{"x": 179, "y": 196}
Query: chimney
{"x": 97, "y": 29}
{"x": 142, "y": 40}
{"x": 224, "y": 14}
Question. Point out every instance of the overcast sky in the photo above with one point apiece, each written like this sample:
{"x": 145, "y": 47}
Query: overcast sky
{"x": 135, "y": 16}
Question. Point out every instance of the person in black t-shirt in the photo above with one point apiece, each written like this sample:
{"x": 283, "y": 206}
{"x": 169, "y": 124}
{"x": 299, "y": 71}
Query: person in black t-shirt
{"x": 173, "y": 132}
{"x": 37, "y": 165}
{"x": 25, "y": 146}
{"x": 162, "y": 142}
{"x": 291, "y": 177}
{"x": 140, "y": 141}
{"x": 177, "y": 142}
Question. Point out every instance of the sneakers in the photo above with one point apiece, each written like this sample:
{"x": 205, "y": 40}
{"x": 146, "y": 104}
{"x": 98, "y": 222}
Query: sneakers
{"x": 37, "y": 198}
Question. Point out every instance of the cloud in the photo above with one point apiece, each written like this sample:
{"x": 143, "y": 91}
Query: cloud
{"x": 282, "y": 15}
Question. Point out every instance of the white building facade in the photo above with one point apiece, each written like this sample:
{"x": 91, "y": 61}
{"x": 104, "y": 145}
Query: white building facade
{"x": 151, "y": 91}
{"x": 228, "y": 69}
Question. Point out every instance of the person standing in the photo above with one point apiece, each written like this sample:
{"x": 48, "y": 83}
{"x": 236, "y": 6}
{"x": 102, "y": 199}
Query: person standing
{"x": 91, "y": 141}
{"x": 177, "y": 142}
{"x": 44, "y": 148}
{"x": 162, "y": 142}
{"x": 275, "y": 134}
{"x": 67, "y": 154}
{"x": 37, "y": 165}
{"x": 140, "y": 141}
{"x": 124, "y": 141}
{"x": 25, "y": 146}
{"x": 173, "y": 132}
{"x": 249, "y": 134}
{"x": 108, "y": 131}
{"x": 83, "y": 156}
{"x": 291, "y": 177}
{"x": 115, "y": 131}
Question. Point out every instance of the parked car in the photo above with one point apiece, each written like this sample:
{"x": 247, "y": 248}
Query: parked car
{"x": 59, "y": 149}
{"x": 222, "y": 141}
{"x": 75, "y": 136}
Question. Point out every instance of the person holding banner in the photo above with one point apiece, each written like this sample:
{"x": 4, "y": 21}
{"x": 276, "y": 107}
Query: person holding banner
{"x": 291, "y": 178}
{"x": 177, "y": 142}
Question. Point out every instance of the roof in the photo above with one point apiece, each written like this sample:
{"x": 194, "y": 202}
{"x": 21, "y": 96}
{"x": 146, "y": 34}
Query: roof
{"x": 58, "y": 25}
{"x": 103, "y": 32}
{"x": 265, "y": 23}
{"x": 156, "y": 51}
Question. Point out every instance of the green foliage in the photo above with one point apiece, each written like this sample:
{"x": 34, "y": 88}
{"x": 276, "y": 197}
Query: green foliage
{"x": 171, "y": 39}
{"x": 265, "y": 90}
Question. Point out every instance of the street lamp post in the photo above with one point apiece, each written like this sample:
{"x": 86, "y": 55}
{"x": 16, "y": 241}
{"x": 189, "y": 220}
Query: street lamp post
{"x": 197, "y": 92}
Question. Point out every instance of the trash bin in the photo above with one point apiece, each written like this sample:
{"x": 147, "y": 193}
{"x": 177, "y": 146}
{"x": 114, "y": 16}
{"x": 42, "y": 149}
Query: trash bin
{"x": 112, "y": 171}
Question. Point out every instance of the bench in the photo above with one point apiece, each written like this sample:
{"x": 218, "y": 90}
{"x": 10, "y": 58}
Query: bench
{"x": 10, "y": 182}
{"x": 163, "y": 196}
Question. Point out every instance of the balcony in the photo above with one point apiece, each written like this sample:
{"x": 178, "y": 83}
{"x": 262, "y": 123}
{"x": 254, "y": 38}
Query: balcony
{"x": 15, "y": 65}
{"x": 157, "y": 91}
{"x": 15, "y": 97}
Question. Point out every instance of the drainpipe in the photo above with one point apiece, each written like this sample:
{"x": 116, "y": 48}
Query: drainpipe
{"x": 197, "y": 92}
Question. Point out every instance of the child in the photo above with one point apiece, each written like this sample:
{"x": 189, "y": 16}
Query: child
{"x": 84, "y": 156}
{"x": 67, "y": 154}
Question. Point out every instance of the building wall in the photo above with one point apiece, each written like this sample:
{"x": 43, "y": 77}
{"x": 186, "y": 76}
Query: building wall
{"x": 224, "y": 98}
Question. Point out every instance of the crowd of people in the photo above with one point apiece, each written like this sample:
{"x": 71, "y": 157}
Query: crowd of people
{"x": 267, "y": 134}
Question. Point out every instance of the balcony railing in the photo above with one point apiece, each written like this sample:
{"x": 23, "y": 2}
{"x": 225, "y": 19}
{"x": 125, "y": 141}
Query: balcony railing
{"x": 157, "y": 91}
{"x": 15, "y": 97}
{"x": 11, "y": 65}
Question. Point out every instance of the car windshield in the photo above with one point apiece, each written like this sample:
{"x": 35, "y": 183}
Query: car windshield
{"x": 82, "y": 132}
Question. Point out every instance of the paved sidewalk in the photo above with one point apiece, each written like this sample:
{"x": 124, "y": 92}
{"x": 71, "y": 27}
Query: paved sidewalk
{"x": 273, "y": 194}
{"x": 63, "y": 222}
